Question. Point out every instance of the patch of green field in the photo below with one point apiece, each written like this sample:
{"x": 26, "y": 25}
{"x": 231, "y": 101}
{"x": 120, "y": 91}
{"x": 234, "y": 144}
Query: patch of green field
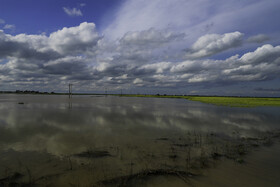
{"x": 224, "y": 101}
{"x": 237, "y": 101}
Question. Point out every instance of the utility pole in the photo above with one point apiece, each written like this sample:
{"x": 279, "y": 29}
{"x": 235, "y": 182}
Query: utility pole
{"x": 70, "y": 90}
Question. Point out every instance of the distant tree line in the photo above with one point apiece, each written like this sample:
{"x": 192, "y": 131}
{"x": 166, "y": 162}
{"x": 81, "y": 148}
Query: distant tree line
{"x": 32, "y": 92}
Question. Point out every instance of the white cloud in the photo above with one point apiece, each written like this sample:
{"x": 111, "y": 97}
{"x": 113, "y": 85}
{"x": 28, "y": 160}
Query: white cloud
{"x": 160, "y": 67}
{"x": 266, "y": 53}
{"x": 9, "y": 27}
{"x": 38, "y": 42}
{"x": 138, "y": 81}
{"x": 80, "y": 39}
{"x": 211, "y": 44}
{"x": 72, "y": 11}
{"x": 260, "y": 38}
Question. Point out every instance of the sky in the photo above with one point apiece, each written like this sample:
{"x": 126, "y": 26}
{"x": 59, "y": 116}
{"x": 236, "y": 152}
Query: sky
{"x": 190, "y": 47}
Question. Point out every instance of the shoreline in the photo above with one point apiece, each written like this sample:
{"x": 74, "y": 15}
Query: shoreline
{"x": 230, "y": 101}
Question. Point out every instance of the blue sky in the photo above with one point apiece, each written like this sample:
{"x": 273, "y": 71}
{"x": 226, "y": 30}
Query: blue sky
{"x": 209, "y": 47}
{"x": 34, "y": 17}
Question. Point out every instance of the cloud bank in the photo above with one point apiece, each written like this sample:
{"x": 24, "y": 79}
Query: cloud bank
{"x": 138, "y": 59}
{"x": 146, "y": 48}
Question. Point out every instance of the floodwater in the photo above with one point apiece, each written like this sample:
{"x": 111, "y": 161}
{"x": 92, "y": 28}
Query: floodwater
{"x": 51, "y": 140}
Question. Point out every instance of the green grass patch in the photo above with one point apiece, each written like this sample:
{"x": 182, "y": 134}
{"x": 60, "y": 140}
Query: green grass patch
{"x": 238, "y": 101}
{"x": 223, "y": 101}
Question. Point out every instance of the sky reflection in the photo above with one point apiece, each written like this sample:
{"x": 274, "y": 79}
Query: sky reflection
{"x": 47, "y": 123}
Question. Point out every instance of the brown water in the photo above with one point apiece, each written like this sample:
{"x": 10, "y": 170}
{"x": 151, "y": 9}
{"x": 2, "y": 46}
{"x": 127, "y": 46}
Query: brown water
{"x": 262, "y": 168}
{"x": 108, "y": 141}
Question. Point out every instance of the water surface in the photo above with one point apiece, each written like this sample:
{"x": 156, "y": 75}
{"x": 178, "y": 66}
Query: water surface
{"x": 51, "y": 138}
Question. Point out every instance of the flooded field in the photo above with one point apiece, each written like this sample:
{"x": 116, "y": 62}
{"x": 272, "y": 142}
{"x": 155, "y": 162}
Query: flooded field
{"x": 51, "y": 140}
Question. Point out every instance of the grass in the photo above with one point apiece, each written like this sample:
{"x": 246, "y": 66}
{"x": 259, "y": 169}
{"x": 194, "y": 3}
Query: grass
{"x": 237, "y": 101}
{"x": 224, "y": 101}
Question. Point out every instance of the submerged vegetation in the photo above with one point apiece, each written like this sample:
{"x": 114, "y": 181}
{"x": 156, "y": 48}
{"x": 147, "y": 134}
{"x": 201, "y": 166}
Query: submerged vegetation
{"x": 223, "y": 101}
{"x": 182, "y": 157}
